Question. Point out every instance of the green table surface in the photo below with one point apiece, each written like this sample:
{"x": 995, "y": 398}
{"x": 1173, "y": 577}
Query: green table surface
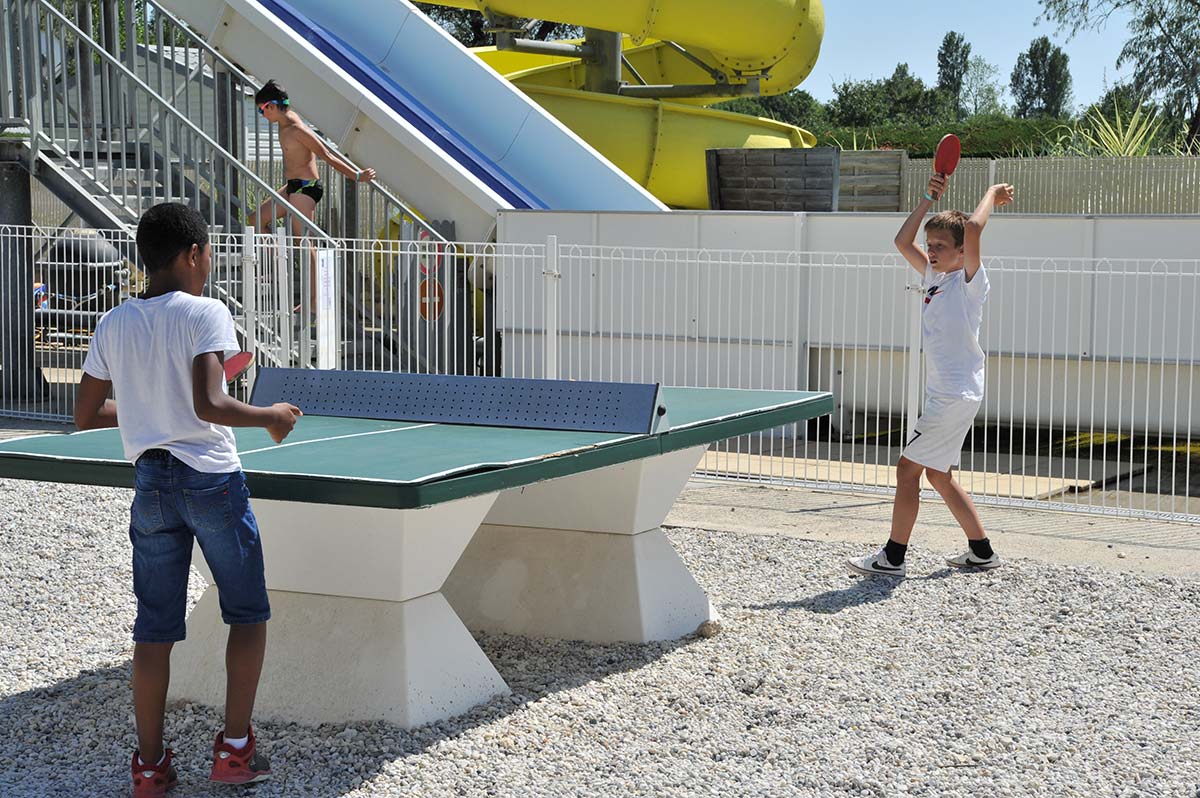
{"x": 397, "y": 464}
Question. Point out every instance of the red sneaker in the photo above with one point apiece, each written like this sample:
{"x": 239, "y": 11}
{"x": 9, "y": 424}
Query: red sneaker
{"x": 238, "y": 765}
{"x": 153, "y": 781}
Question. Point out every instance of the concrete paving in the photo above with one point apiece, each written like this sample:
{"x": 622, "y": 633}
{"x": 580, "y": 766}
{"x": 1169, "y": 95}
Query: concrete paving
{"x": 19, "y": 427}
{"x": 878, "y": 475}
{"x": 1067, "y": 538}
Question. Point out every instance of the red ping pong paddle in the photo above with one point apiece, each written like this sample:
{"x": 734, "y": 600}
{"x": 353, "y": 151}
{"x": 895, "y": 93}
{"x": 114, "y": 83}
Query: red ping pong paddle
{"x": 949, "y": 149}
{"x": 236, "y": 366}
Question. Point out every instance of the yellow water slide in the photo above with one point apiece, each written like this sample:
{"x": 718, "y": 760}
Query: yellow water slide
{"x": 661, "y": 144}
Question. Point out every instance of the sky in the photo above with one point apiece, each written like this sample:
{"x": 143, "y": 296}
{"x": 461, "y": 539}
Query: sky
{"x": 865, "y": 39}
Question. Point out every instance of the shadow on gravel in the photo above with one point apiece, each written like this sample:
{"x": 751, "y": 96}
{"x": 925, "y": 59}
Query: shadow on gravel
{"x": 74, "y": 738}
{"x": 866, "y": 590}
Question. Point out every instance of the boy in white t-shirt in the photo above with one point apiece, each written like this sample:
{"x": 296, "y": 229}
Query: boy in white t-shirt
{"x": 955, "y": 288}
{"x": 163, "y": 353}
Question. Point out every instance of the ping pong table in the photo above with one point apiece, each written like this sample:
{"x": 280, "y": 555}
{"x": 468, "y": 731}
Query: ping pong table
{"x": 386, "y": 538}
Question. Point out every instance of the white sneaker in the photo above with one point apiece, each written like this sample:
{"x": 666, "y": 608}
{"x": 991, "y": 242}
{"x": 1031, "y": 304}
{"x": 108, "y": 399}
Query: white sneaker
{"x": 969, "y": 560}
{"x": 877, "y": 563}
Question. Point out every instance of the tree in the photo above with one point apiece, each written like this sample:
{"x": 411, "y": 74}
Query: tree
{"x": 1041, "y": 81}
{"x": 903, "y": 92}
{"x": 800, "y": 108}
{"x": 910, "y": 100}
{"x": 796, "y": 107}
{"x": 953, "y": 61}
{"x": 981, "y": 90}
{"x": 470, "y": 27}
{"x": 1122, "y": 98}
{"x": 859, "y": 103}
{"x": 1164, "y": 38}
{"x": 901, "y": 98}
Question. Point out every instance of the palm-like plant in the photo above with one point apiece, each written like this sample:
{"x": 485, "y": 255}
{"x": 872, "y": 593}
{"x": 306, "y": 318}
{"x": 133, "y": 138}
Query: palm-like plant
{"x": 1058, "y": 141}
{"x": 1125, "y": 137}
{"x": 869, "y": 141}
{"x": 1178, "y": 144}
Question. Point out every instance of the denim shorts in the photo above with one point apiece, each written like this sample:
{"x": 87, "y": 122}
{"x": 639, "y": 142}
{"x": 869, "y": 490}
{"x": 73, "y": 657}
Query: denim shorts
{"x": 174, "y": 505}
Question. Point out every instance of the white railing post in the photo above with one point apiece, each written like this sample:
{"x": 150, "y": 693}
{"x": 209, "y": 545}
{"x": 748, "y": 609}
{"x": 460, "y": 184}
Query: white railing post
{"x": 326, "y": 310}
{"x": 991, "y": 171}
{"x": 912, "y": 393}
{"x": 802, "y": 312}
{"x": 250, "y": 298}
{"x": 552, "y": 278}
{"x": 283, "y": 298}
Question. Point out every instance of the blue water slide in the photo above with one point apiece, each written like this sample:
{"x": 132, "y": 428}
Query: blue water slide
{"x": 501, "y": 122}
{"x": 397, "y": 93}
{"x": 374, "y": 80}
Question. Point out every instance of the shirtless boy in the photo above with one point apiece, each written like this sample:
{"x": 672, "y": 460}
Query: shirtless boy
{"x": 301, "y": 148}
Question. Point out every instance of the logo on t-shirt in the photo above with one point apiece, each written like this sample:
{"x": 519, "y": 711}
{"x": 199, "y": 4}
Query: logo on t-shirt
{"x": 933, "y": 291}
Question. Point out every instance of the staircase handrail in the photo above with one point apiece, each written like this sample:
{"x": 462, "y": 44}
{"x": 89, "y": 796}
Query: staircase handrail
{"x": 107, "y": 57}
{"x": 200, "y": 43}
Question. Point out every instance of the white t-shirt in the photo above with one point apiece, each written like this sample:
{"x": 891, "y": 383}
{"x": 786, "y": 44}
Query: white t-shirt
{"x": 950, "y": 317}
{"x": 146, "y": 347}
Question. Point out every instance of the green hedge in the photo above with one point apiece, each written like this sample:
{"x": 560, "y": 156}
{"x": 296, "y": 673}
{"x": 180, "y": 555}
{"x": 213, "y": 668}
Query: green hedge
{"x": 983, "y": 136}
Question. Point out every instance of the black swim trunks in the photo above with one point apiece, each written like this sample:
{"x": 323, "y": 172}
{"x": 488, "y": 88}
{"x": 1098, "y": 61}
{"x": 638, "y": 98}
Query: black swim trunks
{"x": 309, "y": 188}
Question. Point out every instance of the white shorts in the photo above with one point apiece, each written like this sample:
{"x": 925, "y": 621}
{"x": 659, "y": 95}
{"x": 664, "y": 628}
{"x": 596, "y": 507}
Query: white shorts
{"x": 938, "y": 439}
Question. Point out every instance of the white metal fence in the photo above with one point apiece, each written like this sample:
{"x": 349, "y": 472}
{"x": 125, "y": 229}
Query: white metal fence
{"x": 1146, "y": 185}
{"x": 55, "y": 284}
{"x": 1091, "y": 398}
{"x": 1091, "y": 402}
{"x": 52, "y": 289}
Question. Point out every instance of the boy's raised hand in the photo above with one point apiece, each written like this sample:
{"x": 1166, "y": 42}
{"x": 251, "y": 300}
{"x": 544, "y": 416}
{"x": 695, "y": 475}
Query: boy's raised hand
{"x": 937, "y": 186}
{"x": 1002, "y": 194}
{"x": 284, "y": 421}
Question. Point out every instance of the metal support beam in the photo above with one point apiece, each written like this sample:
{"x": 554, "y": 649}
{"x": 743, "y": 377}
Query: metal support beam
{"x": 31, "y": 70}
{"x": 350, "y": 217}
{"x": 604, "y": 65}
{"x": 16, "y": 204}
{"x": 750, "y": 89}
{"x": 509, "y": 42}
{"x": 86, "y": 73}
{"x": 229, "y": 136}
{"x": 110, "y": 29}
{"x": 19, "y": 377}
{"x": 8, "y": 66}
{"x": 509, "y": 37}
{"x": 604, "y": 59}
{"x": 110, "y": 40}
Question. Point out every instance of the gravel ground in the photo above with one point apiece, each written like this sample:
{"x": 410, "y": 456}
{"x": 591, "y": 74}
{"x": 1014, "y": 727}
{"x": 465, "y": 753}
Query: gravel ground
{"x": 1035, "y": 680}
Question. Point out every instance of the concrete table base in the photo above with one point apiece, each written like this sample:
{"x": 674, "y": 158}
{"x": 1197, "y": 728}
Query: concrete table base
{"x": 366, "y": 603}
{"x": 332, "y": 659}
{"x": 359, "y": 627}
{"x": 576, "y": 586}
{"x": 583, "y": 558}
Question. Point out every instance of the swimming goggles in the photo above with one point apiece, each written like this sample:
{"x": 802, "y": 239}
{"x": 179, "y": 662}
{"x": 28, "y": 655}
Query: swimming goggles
{"x": 280, "y": 103}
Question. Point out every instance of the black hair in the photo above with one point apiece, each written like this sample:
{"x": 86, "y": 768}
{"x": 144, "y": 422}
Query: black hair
{"x": 270, "y": 92}
{"x": 166, "y": 230}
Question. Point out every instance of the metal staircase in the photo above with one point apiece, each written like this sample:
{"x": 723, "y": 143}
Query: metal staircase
{"x": 120, "y": 110}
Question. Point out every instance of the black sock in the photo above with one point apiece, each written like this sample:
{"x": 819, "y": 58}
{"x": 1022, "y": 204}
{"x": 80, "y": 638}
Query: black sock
{"x": 895, "y": 551}
{"x": 981, "y": 548}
